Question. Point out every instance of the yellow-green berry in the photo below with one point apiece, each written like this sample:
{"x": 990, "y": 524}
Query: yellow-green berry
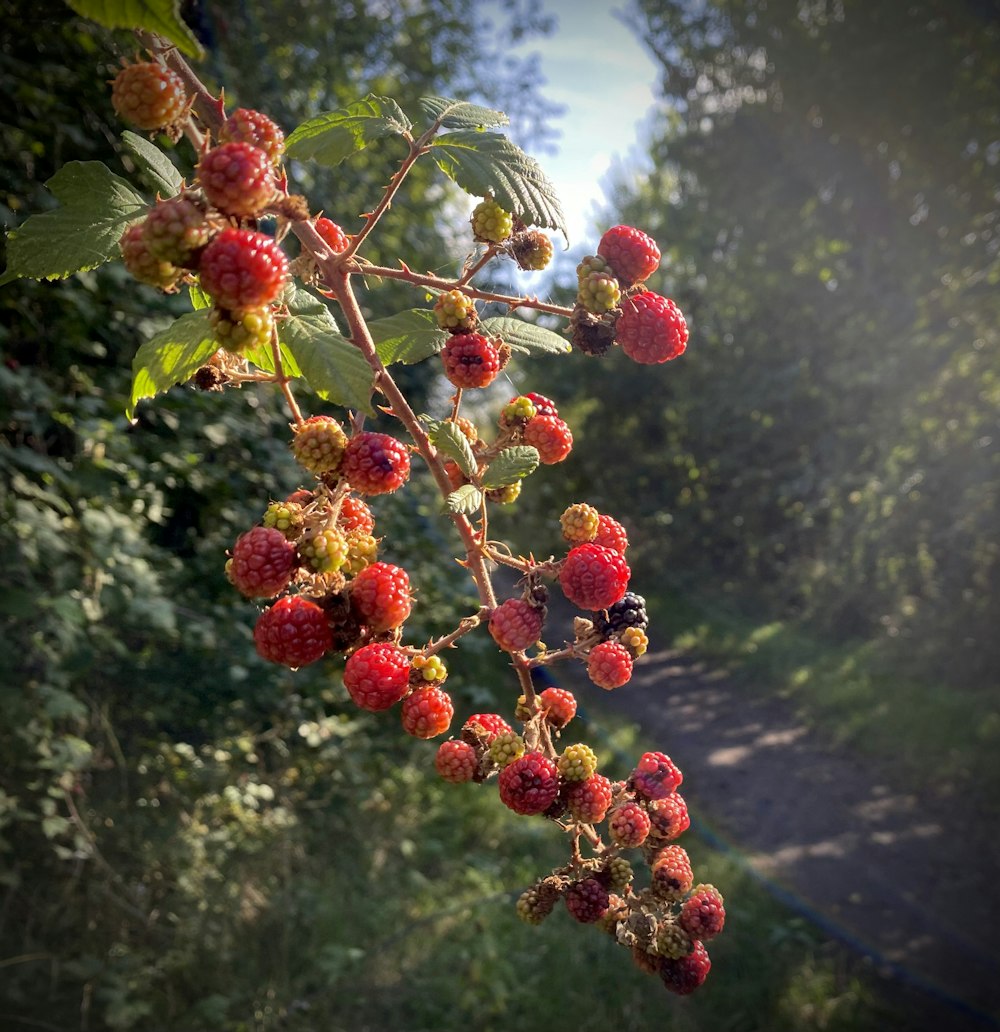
{"x": 318, "y": 444}
{"x": 362, "y": 551}
{"x": 577, "y": 763}
{"x": 428, "y": 669}
{"x": 506, "y": 748}
{"x": 505, "y": 495}
{"x": 491, "y": 223}
{"x": 532, "y": 250}
{"x": 599, "y": 292}
{"x": 242, "y": 330}
{"x": 325, "y": 551}
{"x": 286, "y": 517}
{"x": 455, "y": 311}
{"x": 580, "y": 523}
{"x": 672, "y": 941}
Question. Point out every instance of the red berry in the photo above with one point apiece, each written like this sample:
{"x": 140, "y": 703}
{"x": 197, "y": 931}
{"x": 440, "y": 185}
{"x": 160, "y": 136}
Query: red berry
{"x": 530, "y": 784}
{"x": 376, "y": 464}
{"x": 237, "y": 179}
{"x": 628, "y": 825}
{"x": 656, "y": 776}
{"x": 149, "y": 95}
{"x": 588, "y": 800}
{"x": 456, "y": 761}
{"x": 247, "y": 126}
{"x": 470, "y": 360}
{"x": 381, "y": 595}
{"x": 243, "y": 269}
{"x": 632, "y": 255}
{"x": 427, "y": 712}
{"x": 609, "y": 665}
{"x": 551, "y": 436}
{"x": 377, "y": 676}
{"x": 332, "y": 234}
{"x": 141, "y": 262}
{"x": 516, "y": 624}
{"x": 294, "y": 632}
{"x": 355, "y": 515}
{"x": 587, "y": 900}
{"x": 670, "y": 873}
{"x": 558, "y": 705}
{"x": 611, "y": 534}
{"x": 262, "y": 564}
{"x": 684, "y": 975}
{"x": 703, "y": 916}
{"x": 669, "y": 819}
{"x": 594, "y": 577}
{"x": 490, "y": 725}
{"x": 651, "y": 329}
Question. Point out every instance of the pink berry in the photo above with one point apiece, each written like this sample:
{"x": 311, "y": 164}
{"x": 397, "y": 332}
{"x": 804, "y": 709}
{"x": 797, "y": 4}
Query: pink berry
{"x": 381, "y": 595}
{"x": 263, "y": 562}
{"x": 594, "y": 577}
{"x": 427, "y": 712}
{"x": 377, "y": 676}
{"x": 651, "y": 329}
{"x": 242, "y": 269}
{"x": 294, "y": 632}
{"x": 375, "y": 463}
{"x": 632, "y": 255}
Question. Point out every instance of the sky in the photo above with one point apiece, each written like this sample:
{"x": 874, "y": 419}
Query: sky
{"x": 597, "y": 67}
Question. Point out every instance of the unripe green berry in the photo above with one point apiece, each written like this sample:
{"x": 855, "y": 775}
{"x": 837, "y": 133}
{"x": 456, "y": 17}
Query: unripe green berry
{"x": 325, "y": 551}
{"x": 491, "y": 223}
{"x": 577, "y": 763}
{"x": 506, "y": 748}
{"x": 455, "y": 311}
{"x": 286, "y": 517}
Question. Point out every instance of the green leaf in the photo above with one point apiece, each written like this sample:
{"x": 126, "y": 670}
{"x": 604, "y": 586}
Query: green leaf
{"x": 488, "y": 163}
{"x": 159, "y": 16}
{"x": 467, "y": 500}
{"x": 171, "y": 357}
{"x": 336, "y": 135}
{"x": 199, "y": 299}
{"x": 97, "y": 206}
{"x": 525, "y": 336}
{"x": 460, "y": 114}
{"x": 511, "y": 465}
{"x": 263, "y": 358}
{"x": 154, "y": 166}
{"x": 407, "y": 337}
{"x": 330, "y": 364}
{"x": 446, "y": 437}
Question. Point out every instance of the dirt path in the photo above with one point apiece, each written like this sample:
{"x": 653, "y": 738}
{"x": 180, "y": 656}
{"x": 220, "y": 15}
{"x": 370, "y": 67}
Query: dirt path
{"x": 910, "y": 880}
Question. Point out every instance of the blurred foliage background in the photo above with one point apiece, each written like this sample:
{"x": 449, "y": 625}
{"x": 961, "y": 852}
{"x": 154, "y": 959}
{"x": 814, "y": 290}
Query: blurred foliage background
{"x": 192, "y": 839}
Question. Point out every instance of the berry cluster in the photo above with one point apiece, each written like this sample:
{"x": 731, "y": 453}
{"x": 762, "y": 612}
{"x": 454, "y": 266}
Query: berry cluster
{"x": 208, "y": 232}
{"x": 314, "y": 557}
{"x": 665, "y": 923}
{"x": 613, "y": 307}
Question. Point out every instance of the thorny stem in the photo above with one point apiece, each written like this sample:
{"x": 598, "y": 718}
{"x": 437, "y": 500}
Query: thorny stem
{"x": 422, "y": 280}
{"x": 552, "y": 657}
{"x": 282, "y": 380}
{"x": 475, "y": 560}
{"x": 475, "y": 267}
{"x": 468, "y": 623}
{"x": 417, "y": 148}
